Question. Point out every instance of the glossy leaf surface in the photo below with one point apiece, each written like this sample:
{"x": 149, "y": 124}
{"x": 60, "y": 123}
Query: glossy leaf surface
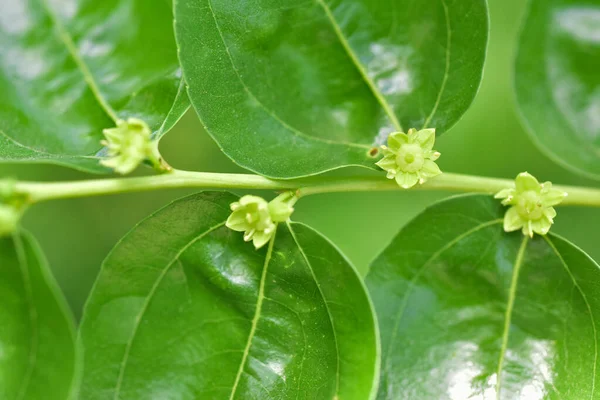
{"x": 467, "y": 311}
{"x": 557, "y": 81}
{"x": 37, "y": 336}
{"x": 290, "y": 88}
{"x": 184, "y": 308}
{"x": 68, "y": 69}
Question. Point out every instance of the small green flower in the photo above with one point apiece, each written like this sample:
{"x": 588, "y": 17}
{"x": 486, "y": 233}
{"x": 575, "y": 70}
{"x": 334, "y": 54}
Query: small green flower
{"x": 9, "y": 219}
{"x": 532, "y": 205}
{"x": 258, "y": 219}
{"x": 129, "y": 144}
{"x": 410, "y": 158}
{"x": 251, "y": 215}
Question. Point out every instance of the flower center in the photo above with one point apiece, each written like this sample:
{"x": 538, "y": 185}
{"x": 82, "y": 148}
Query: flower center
{"x": 410, "y": 158}
{"x": 529, "y": 205}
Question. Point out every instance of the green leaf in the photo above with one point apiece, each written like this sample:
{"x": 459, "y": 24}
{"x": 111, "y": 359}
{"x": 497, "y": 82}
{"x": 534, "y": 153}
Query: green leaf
{"x": 37, "y": 334}
{"x": 467, "y": 311}
{"x": 291, "y": 88}
{"x": 70, "y": 69}
{"x": 557, "y": 81}
{"x": 184, "y": 308}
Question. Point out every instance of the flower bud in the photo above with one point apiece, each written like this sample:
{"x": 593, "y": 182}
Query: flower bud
{"x": 281, "y": 207}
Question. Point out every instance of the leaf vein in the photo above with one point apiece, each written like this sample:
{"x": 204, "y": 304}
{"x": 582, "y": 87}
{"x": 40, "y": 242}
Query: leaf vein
{"x": 589, "y": 308}
{"x": 418, "y": 275}
{"x": 146, "y": 303}
{"x": 257, "y": 312}
{"x": 335, "y": 339}
{"x": 66, "y": 39}
{"x": 41, "y": 152}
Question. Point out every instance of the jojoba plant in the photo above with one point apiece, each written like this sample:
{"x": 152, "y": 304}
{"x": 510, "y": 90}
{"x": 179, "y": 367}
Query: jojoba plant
{"x": 475, "y": 298}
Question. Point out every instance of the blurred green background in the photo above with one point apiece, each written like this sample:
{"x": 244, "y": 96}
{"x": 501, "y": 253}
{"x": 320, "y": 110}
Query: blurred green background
{"x": 77, "y": 234}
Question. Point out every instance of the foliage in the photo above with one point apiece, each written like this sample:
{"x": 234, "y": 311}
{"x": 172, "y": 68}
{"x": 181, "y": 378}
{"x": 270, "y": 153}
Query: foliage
{"x": 469, "y": 300}
{"x": 557, "y": 84}
{"x": 350, "y": 72}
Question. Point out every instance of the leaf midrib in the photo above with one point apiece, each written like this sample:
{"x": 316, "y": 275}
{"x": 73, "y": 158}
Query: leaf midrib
{"x": 512, "y": 298}
{"x": 512, "y": 294}
{"x": 88, "y": 77}
{"x": 446, "y": 66}
{"x": 356, "y": 61}
{"x": 257, "y": 313}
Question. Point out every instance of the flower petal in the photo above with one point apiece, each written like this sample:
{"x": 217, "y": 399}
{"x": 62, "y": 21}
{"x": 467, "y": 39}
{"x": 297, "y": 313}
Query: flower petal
{"x": 237, "y": 221}
{"x": 541, "y": 226}
{"x": 406, "y": 180}
{"x": 387, "y": 163}
{"x": 525, "y": 182}
{"x": 425, "y": 138}
{"x": 432, "y": 155}
{"x": 505, "y": 193}
{"x": 552, "y": 197}
{"x": 396, "y": 140}
{"x": 126, "y": 165}
{"x": 512, "y": 220}
{"x": 260, "y": 239}
{"x": 550, "y": 213}
{"x": 249, "y": 199}
{"x": 430, "y": 169}
{"x": 110, "y": 162}
{"x": 113, "y": 135}
{"x": 387, "y": 152}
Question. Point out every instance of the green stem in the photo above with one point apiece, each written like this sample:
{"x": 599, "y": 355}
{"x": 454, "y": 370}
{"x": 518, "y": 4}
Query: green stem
{"x": 40, "y": 191}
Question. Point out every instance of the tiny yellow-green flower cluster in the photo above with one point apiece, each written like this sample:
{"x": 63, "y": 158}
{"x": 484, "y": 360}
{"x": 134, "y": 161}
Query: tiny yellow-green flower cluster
{"x": 258, "y": 218}
{"x": 129, "y": 144}
{"x": 410, "y": 158}
{"x": 531, "y": 204}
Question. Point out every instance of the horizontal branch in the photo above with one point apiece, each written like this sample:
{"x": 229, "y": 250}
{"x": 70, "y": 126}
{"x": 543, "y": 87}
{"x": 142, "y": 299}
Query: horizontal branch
{"x": 36, "y": 192}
